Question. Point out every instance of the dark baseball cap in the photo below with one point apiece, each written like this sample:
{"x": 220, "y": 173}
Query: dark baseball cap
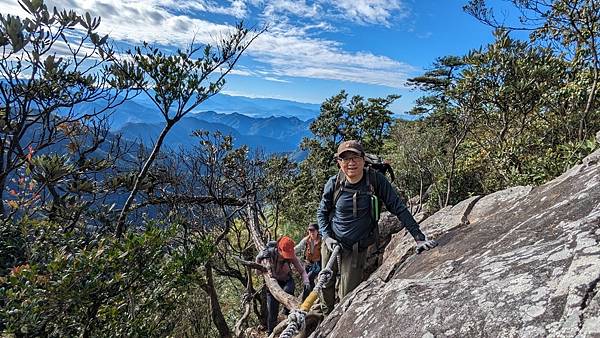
{"x": 351, "y": 145}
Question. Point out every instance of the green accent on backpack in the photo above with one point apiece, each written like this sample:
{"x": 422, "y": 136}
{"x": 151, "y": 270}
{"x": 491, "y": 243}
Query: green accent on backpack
{"x": 375, "y": 208}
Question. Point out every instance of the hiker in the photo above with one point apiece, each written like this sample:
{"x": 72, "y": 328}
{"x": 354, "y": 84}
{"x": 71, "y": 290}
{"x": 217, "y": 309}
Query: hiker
{"x": 310, "y": 248}
{"x": 281, "y": 254}
{"x": 345, "y": 218}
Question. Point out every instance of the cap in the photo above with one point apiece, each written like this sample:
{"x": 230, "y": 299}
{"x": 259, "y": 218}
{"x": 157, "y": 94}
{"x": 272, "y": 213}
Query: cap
{"x": 285, "y": 246}
{"x": 351, "y": 145}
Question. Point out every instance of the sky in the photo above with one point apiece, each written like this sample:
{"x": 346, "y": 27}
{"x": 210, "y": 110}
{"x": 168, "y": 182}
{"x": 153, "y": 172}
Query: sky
{"x": 312, "y": 49}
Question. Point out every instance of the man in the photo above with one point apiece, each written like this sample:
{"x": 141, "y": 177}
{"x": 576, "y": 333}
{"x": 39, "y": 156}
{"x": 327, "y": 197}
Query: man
{"x": 346, "y": 218}
{"x": 281, "y": 254}
{"x": 310, "y": 248}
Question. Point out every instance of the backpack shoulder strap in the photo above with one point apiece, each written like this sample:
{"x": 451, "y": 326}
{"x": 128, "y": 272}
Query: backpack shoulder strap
{"x": 340, "y": 180}
{"x": 372, "y": 181}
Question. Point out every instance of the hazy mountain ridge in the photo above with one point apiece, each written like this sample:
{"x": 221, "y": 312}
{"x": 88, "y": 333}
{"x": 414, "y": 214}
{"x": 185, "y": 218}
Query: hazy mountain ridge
{"x": 288, "y": 129}
{"x": 252, "y": 107}
{"x": 271, "y": 125}
{"x": 181, "y": 135}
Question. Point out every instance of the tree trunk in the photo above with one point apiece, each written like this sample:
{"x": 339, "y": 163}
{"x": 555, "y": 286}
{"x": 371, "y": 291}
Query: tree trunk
{"x": 247, "y": 301}
{"x": 3, "y": 213}
{"x": 588, "y": 107}
{"x": 141, "y": 175}
{"x": 215, "y": 307}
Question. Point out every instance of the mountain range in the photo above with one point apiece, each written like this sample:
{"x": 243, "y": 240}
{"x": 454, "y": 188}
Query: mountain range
{"x": 266, "y": 124}
{"x": 276, "y": 135}
{"x": 270, "y": 125}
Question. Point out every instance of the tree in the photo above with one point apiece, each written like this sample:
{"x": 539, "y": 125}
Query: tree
{"x": 176, "y": 84}
{"x": 441, "y": 109}
{"x": 279, "y": 174}
{"x": 571, "y": 27}
{"x": 505, "y": 90}
{"x": 42, "y": 89}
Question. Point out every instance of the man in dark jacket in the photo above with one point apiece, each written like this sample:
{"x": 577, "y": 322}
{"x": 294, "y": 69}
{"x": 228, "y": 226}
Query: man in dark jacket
{"x": 346, "y": 219}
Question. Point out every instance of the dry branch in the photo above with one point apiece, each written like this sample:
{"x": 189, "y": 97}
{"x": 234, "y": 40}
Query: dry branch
{"x": 289, "y": 301}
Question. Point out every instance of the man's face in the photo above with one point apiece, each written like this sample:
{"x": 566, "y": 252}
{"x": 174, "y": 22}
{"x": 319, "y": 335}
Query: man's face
{"x": 352, "y": 165}
{"x": 313, "y": 232}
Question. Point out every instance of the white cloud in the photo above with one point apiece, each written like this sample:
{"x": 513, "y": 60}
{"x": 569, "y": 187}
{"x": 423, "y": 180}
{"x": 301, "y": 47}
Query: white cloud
{"x": 324, "y": 59}
{"x": 371, "y": 11}
{"x": 286, "y": 50}
{"x": 295, "y": 7}
{"x": 242, "y": 71}
{"x": 269, "y": 78}
{"x": 236, "y": 8}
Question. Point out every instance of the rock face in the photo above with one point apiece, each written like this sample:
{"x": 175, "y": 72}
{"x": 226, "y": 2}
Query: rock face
{"x": 522, "y": 262}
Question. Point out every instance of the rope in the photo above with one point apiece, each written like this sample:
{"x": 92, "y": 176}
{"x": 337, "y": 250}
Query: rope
{"x": 295, "y": 323}
{"x": 296, "y": 318}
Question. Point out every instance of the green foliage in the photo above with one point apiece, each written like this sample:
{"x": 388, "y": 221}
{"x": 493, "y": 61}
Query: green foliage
{"x": 77, "y": 284}
{"x": 37, "y": 84}
{"x": 176, "y": 83}
{"x": 506, "y": 114}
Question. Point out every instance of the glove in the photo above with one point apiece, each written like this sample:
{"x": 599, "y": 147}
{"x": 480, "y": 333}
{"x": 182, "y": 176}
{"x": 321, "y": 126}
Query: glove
{"x": 425, "y": 245}
{"x": 306, "y": 291}
{"x": 330, "y": 243}
{"x": 267, "y": 252}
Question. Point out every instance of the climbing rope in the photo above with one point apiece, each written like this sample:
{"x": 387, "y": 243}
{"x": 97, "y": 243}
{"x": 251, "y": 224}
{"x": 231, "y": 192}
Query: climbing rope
{"x": 295, "y": 323}
{"x": 296, "y": 317}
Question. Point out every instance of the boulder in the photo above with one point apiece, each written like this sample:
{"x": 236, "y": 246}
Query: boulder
{"x": 522, "y": 262}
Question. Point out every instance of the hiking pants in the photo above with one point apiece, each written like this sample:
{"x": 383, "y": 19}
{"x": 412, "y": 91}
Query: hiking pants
{"x": 312, "y": 270}
{"x": 273, "y": 304}
{"x": 351, "y": 274}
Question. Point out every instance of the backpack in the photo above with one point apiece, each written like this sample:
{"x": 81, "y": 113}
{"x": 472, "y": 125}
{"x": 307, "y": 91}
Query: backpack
{"x": 379, "y": 164}
{"x": 373, "y": 164}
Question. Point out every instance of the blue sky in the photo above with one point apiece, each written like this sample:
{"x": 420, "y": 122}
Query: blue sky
{"x": 313, "y": 49}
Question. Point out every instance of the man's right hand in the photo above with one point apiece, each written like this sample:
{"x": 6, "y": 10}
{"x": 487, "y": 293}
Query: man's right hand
{"x": 425, "y": 245}
{"x": 330, "y": 243}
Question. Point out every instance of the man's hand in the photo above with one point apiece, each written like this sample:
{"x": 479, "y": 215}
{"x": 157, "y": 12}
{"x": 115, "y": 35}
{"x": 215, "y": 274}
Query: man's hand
{"x": 330, "y": 243}
{"x": 267, "y": 251}
{"x": 425, "y": 245}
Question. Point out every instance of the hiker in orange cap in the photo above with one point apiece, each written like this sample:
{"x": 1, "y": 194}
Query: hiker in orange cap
{"x": 281, "y": 254}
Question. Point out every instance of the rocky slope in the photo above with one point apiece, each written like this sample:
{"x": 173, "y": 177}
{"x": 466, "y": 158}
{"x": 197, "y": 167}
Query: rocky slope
{"x": 522, "y": 262}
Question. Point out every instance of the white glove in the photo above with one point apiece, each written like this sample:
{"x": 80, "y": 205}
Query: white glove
{"x": 330, "y": 243}
{"x": 425, "y": 245}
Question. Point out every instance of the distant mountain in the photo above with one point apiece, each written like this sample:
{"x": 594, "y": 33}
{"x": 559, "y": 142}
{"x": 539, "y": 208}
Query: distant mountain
{"x": 268, "y": 124}
{"x": 254, "y": 107}
{"x": 181, "y": 135}
{"x": 128, "y": 112}
{"x": 286, "y": 129}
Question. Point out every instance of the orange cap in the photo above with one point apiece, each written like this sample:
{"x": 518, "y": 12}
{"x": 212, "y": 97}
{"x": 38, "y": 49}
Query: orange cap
{"x": 285, "y": 246}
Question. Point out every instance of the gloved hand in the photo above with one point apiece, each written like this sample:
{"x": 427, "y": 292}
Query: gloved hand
{"x": 425, "y": 245}
{"x": 306, "y": 291}
{"x": 267, "y": 251}
{"x": 330, "y": 243}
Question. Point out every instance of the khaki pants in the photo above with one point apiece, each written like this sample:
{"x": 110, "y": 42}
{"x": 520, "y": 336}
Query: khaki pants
{"x": 353, "y": 263}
